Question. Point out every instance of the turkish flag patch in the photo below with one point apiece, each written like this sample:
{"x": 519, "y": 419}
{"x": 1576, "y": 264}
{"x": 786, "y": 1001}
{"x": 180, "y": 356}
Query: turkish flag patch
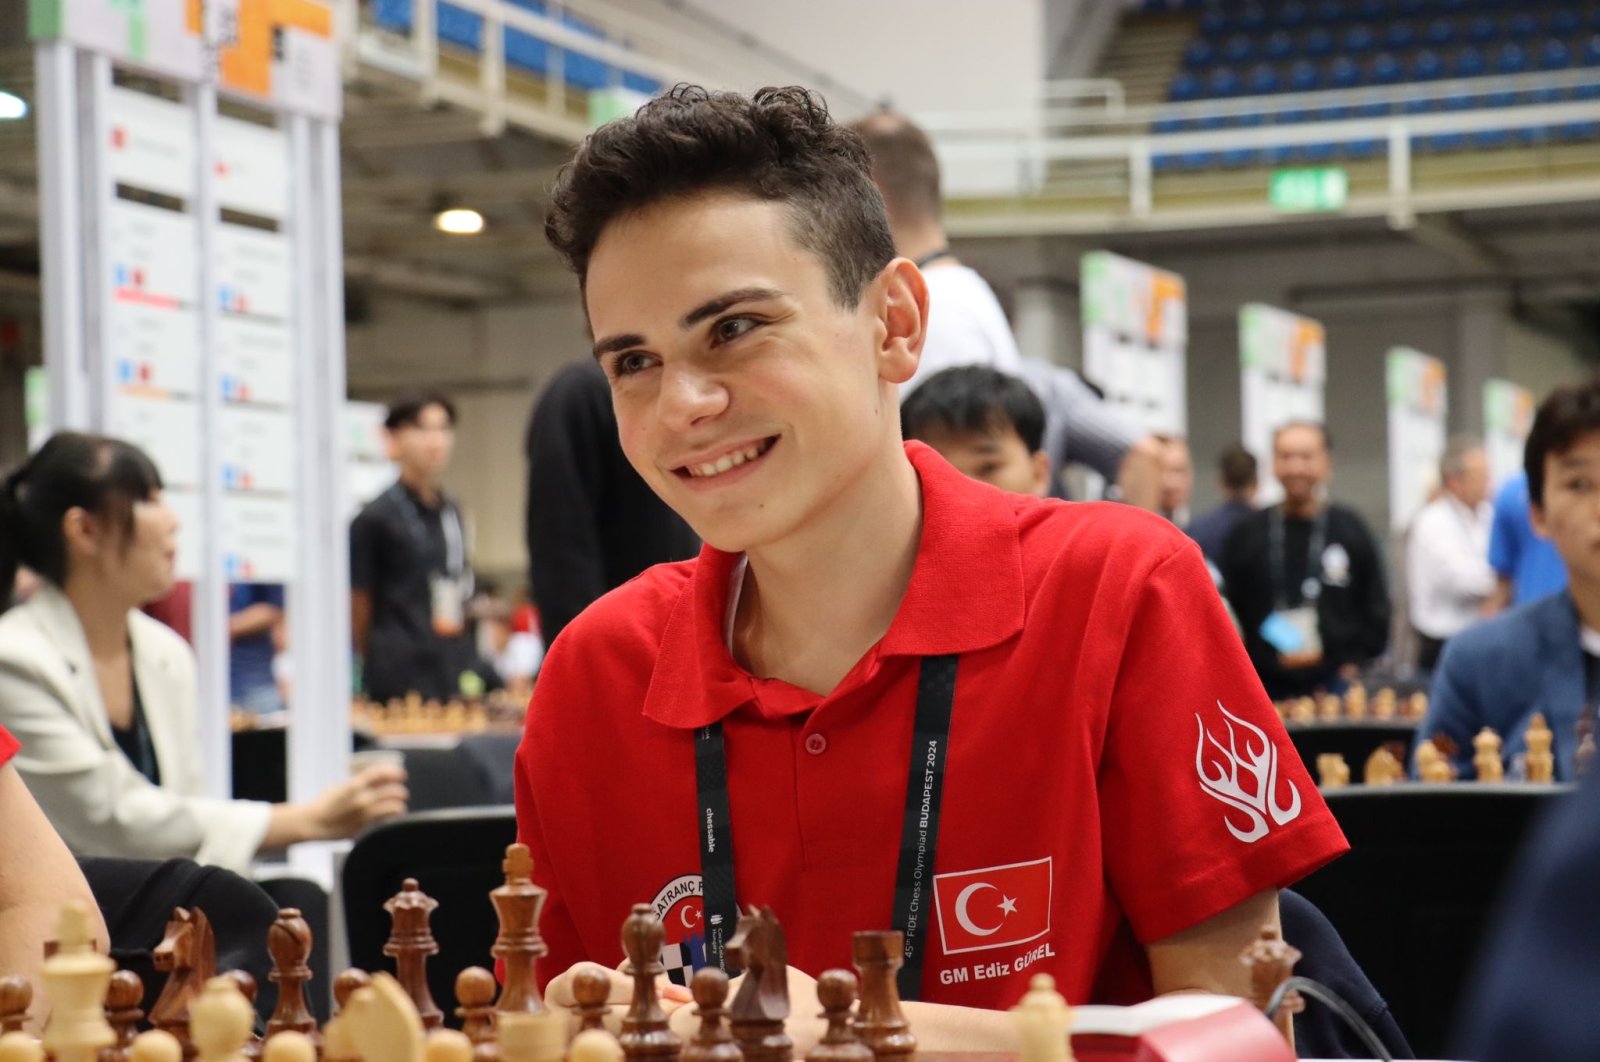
{"x": 995, "y": 907}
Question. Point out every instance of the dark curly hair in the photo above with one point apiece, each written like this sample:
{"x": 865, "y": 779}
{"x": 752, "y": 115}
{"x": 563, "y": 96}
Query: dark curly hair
{"x": 778, "y": 145}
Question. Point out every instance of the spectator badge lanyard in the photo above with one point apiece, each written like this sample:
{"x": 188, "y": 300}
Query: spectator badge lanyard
{"x": 919, "y": 837}
{"x": 1311, "y": 587}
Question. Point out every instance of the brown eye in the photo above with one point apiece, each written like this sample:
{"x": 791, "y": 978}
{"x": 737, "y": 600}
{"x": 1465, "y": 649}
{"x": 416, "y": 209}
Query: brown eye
{"x": 730, "y": 328}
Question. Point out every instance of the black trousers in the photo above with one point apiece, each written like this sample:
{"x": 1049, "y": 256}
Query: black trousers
{"x": 136, "y": 898}
{"x": 1428, "y": 650}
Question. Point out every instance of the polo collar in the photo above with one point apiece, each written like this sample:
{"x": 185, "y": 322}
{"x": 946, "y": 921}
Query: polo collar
{"x": 966, "y": 593}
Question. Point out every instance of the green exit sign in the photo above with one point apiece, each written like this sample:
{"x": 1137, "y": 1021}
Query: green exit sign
{"x": 1310, "y": 189}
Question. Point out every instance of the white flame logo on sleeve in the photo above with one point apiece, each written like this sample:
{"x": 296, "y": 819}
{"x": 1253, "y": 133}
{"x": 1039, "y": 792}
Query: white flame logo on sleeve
{"x": 1248, "y": 784}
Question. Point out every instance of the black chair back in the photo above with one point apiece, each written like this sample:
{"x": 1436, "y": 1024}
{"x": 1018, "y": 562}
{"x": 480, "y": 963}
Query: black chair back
{"x": 1414, "y": 895}
{"x": 456, "y": 857}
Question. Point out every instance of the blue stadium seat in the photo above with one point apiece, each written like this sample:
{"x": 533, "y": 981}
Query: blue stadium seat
{"x": 1185, "y": 88}
{"x": 1482, "y": 29}
{"x": 1318, "y": 44}
{"x": 1253, "y": 18}
{"x": 1303, "y": 77}
{"x": 1386, "y": 70}
{"x": 1416, "y": 106}
{"x": 1591, "y": 51}
{"x": 1554, "y": 55}
{"x": 1264, "y": 80}
{"x": 1364, "y": 149}
{"x": 1399, "y": 36}
{"x": 1426, "y": 66}
{"x": 1292, "y": 14}
{"x": 1546, "y": 94}
{"x": 1279, "y": 46}
{"x": 1372, "y": 10}
{"x": 1468, "y": 62}
{"x": 1343, "y": 73}
{"x": 1224, "y": 81}
{"x": 1564, "y": 22}
{"x": 1329, "y": 12}
{"x": 1410, "y": 8}
{"x": 1239, "y": 49}
{"x": 1317, "y": 153}
{"x": 1440, "y": 32}
{"x": 1492, "y": 5}
{"x": 1166, "y": 126}
{"x": 1200, "y": 52}
{"x": 1450, "y": 7}
{"x": 1511, "y": 59}
{"x": 1215, "y": 22}
{"x": 1359, "y": 40}
{"x": 1522, "y": 26}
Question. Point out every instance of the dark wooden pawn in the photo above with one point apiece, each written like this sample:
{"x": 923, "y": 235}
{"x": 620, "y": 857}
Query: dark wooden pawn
{"x": 475, "y": 989}
{"x": 645, "y": 1032}
{"x": 16, "y": 996}
{"x": 836, "y": 991}
{"x": 248, "y": 989}
{"x": 289, "y": 942}
{"x": 712, "y": 1041}
{"x": 879, "y": 1021}
{"x": 123, "y": 996}
{"x": 411, "y": 944}
{"x": 591, "y": 989}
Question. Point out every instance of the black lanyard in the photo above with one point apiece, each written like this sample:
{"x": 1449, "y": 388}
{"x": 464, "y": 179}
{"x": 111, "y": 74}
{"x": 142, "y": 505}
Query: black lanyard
{"x": 1311, "y": 587}
{"x": 919, "y": 839}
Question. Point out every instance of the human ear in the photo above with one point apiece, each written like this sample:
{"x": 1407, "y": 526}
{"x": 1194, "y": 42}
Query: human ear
{"x": 1536, "y": 518}
{"x": 1041, "y": 473}
{"x": 902, "y": 308}
{"x": 80, "y": 531}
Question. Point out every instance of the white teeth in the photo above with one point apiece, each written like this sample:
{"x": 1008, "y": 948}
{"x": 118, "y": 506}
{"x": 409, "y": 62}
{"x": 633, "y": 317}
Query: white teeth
{"x": 726, "y": 462}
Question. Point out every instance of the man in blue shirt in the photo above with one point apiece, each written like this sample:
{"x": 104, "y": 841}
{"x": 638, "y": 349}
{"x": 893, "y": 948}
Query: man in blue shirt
{"x": 254, "y": 610}
{"x": 1237, "y": 474}
{"x": 1526, "y": 563}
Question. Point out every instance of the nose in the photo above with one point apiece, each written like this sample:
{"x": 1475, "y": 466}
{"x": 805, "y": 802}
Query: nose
{"x": 688, "y": 396}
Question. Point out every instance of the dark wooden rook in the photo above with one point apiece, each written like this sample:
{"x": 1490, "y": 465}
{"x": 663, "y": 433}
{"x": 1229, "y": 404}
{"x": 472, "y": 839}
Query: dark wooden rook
{"x": 879, "y": 1022}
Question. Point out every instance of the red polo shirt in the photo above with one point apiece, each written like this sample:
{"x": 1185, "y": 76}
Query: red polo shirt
{"x": 8, "y": 746}
{"x": 1115, "y": 774}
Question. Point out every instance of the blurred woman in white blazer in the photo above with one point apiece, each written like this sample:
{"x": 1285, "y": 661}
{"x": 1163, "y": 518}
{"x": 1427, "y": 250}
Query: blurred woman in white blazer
{"x": 103, "y": 697}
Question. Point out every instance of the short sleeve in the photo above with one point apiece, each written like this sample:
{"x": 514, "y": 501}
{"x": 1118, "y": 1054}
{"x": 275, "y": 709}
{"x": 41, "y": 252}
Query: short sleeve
{"x": 364, "y": 531}
{"x": 8, "y": 746}
{"x": 1503, "y": 535}
{"x": 1204, "y": 801}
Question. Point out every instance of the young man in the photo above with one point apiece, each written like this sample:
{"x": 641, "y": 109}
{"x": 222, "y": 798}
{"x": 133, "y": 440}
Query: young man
{"x": 1117, "y": 804}
{"x": 1304, "y": 577}
{"x": 409, "y": 576}
{"x": 987, "y": 424}
{"x": 1543, "y": 656}
{"x": 1448, "y": 578}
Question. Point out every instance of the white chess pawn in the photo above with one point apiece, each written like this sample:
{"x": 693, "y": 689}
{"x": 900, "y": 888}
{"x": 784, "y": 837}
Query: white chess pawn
{"x": 445, "y": 1045}
{"x": 593, "y": 1045}
{"x": 20, "y": 1047}
{"x": 220, "y": 1022}
{"x": 75, "y": 981}
{"x": 531, "y": 1037}
{"x": 1043, "y": 1022}
{"x": 290, "y": 1046}
{"x": 156, "y": 1046}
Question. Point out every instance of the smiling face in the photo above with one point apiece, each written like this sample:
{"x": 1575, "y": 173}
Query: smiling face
{"x": 746, "y": 396}
{"x": 1570, "y": 513}
{"x": 1301, "y": 463}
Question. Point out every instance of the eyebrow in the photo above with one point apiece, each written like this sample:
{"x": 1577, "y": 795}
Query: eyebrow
{"x": 709, "y": 308}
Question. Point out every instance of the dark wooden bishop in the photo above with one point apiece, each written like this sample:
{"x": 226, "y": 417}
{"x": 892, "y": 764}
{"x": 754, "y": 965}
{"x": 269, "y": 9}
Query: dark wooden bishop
{"x": 16, "y": 996}
{"x": 519, "y": 945}
{"x": 879, "y": 1022}
{"x": 836, "y": 991}
{"x": 645, "y": 1032}
{"x": 289, "y": 942}
{"x": 410, "y": 944}
{"x": 761, "y": 1007}
{"x": 187, "y": 954}
{"x": 712, "y": 1041}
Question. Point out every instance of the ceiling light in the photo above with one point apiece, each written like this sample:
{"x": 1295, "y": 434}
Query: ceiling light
{"x": 458, "y": 221}
{"x": 12, "y": 106}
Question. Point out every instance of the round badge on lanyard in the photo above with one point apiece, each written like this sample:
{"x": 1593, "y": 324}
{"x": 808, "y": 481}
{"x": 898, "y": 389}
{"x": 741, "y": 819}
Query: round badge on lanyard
{"x": 1311, "y": 589}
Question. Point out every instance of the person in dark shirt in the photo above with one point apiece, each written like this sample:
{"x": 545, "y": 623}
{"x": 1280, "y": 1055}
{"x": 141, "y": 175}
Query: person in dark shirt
{"x": 409, "y": 577}
{"x": 1305, "y": 577}
{"x": 1237, "y": 474}
{"x": 592, "y": 524}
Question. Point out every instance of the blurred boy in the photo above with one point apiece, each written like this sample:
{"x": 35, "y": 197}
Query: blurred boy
{"x": 988, "y": 424}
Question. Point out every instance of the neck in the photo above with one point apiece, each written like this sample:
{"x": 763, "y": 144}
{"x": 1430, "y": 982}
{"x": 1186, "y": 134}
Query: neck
{"x": 1586, "y": 598}
{"x": 916, "y": 242}
{"x": 1244, "y": 497}
{"x": 1301, "y": 508}
{"x": 815, "y": 603}
{"x": 104, "y": 619}
{"x": 421, "y": 484}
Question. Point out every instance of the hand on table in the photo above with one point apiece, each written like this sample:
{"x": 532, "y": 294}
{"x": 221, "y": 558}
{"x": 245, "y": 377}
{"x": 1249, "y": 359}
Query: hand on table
{"x": 558, "y": 994}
